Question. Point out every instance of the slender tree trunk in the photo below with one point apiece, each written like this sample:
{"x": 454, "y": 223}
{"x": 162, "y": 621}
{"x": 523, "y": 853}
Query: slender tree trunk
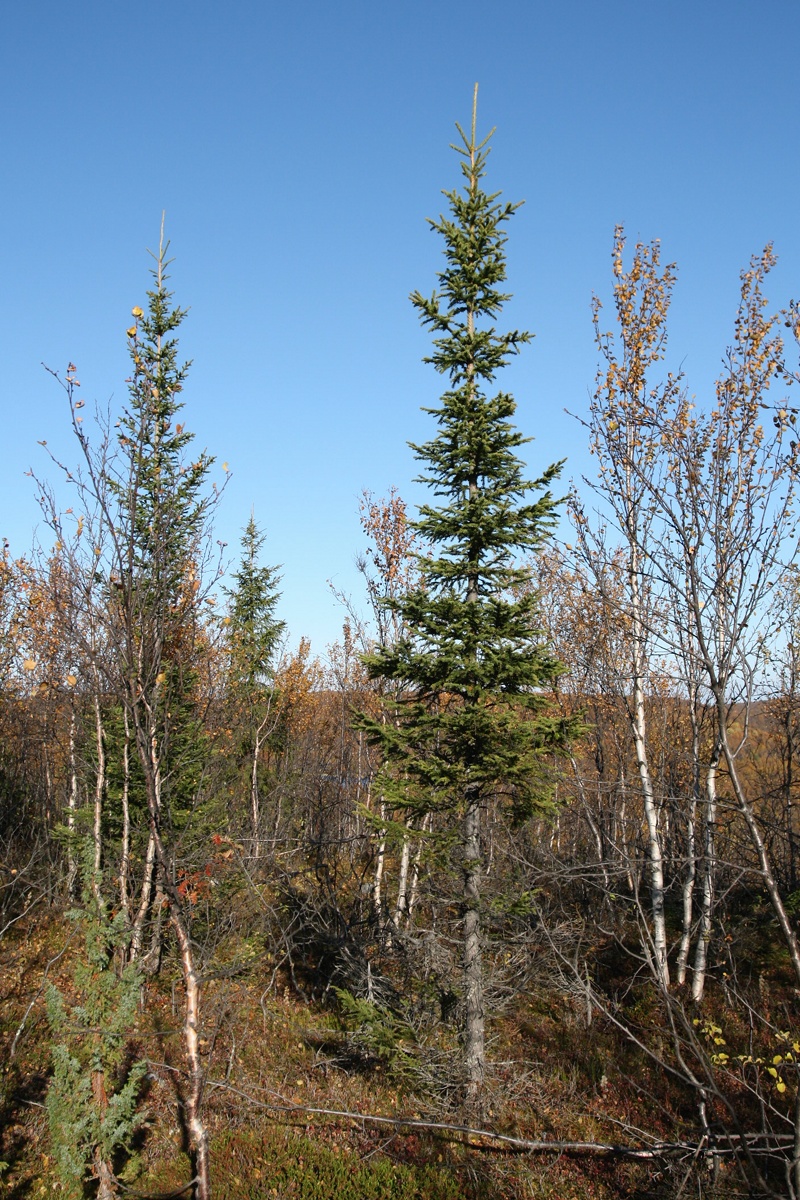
{"x": 145, "y": 900}
{"x": 555, "y": 834}
{"x": 401, "y": 905}
{"x": 106, "y": 1188}
{"x": 413, "y": 889}
{"x": 106, "y": 1184}
{"x": 72, "y": 809}
{"x": 789, "y": 784}
{"x": 380, "y": 860}
{"x": 623, "y": 825}
{"x": 255, "y": 794}
{"x": 594, "y": 826}
{"x": 687, "y": 891}
{"x": 151, "y": 961}
{"x": 655, "y": 857}
{"x": 198, "y": 1134}
{"x": 48, "y": 780}
{"x": 125, "y": 857}
{"x": 99, "y": 796}
{"x": 691, "y": 848}
{"x": 639, "y": 730}
{"x": 276, "y": 824}
{"x": 474, "y": 1030}
{"x": 255, "y": 799}
{"x": 707, "y": 902}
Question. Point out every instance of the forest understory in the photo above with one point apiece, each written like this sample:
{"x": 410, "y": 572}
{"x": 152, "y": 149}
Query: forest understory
{"x": 302, "y": 1092}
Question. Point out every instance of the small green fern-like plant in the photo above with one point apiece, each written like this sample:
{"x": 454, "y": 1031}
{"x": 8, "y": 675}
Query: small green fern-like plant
{"x": 93, "y": 1101}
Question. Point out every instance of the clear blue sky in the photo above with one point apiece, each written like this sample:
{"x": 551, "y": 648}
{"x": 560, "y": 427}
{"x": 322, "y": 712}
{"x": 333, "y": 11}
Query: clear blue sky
{"x": 297, "y": 150}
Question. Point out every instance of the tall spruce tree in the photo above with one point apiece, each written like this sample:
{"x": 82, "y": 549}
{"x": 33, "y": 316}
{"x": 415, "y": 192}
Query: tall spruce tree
{"x": 474, "y": 723}
{"x": 136, "y": 614}
{"x": 160, "y": 533}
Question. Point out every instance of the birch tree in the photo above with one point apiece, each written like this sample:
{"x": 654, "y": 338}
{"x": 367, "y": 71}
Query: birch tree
{"x": 626, "y": 412}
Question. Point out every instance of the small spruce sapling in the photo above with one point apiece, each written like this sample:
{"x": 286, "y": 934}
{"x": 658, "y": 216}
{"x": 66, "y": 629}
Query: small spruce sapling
{"x": 255, "y": 634}
{"x": 93, "y": 1101}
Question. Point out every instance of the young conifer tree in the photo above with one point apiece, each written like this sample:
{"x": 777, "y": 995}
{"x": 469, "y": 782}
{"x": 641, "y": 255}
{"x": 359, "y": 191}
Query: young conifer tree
{"x": 144, "y": 580}
{"x": 472, "y": 664}
{"x": 160, "y": 532}
{"x": 256, "y": 631}
{"x": 93, "y": 1097}
{"x": 255, "y": 636}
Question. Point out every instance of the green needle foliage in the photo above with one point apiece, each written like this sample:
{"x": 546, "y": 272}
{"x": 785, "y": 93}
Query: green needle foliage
{"x": 255, "y": 634}
{"x": 94, "y": 1094}
{"x": 472, "y": 724}
{"x": 473, "y": 661}
{"x": 160, "y": 531}
{"x": 256, "y": 631}
{"x": 163, "y": 502}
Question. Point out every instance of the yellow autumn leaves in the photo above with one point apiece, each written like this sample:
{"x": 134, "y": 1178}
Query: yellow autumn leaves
{"x": 136, "y": 313}
{"x": 30, "y": 664}
{"x": 713, "y": 1034}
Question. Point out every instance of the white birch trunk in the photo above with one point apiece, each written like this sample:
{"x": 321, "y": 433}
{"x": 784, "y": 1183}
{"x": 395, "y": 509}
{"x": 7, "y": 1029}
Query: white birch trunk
{"x": 656, "y": 862}
{"x": 380, "y": 860}
{"x": 474, "y": 1029}
{"x": 707, "y": 901}
{"x": 125, "y": 857}
{"x": 402, "y": 908}
{"x": 99, "y": 795}
{"x": 691, "y": 847}
{"x": 413, "y": 890}
{"x": 746, "y": 810}
{"x": 72, "y": 809}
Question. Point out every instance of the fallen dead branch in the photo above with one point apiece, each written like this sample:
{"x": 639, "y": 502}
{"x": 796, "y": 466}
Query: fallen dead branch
{"x": 487, "y": 1139}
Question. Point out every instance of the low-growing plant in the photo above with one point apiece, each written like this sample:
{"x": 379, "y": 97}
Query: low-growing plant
{"x": 94, "y": 1094}
{"x": 275, "y": 1161}
{"x": 378, "y": 1032}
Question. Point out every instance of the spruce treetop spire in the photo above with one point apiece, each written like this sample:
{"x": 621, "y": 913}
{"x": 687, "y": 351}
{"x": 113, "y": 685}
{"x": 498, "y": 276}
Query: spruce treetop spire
{"x": 470, "y": 148}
